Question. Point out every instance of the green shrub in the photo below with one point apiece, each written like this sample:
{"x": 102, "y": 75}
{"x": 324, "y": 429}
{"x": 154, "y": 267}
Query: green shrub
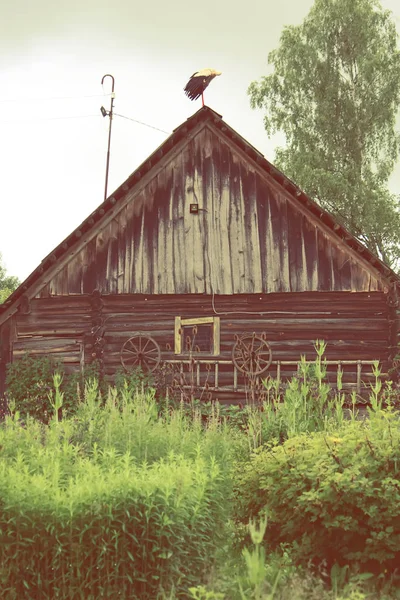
{"x": 333, "y": 496}
{"x": 29, "y": 383}
{"x": 114, "y": 527}
{"x": 111, "y": 501}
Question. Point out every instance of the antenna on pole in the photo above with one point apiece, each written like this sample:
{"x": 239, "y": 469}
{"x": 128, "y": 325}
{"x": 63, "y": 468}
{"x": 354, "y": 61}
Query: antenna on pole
{"x": 108, "y": 113}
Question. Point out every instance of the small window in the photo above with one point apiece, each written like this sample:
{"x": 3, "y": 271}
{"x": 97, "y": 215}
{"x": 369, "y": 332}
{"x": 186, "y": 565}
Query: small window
{"x": 197, "y": 336}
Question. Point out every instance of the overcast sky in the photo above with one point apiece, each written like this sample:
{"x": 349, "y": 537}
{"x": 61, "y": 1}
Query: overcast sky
{"x": 53, "y": 56}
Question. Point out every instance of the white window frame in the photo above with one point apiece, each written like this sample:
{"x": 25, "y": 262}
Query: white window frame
{"x": 180, "y": 323}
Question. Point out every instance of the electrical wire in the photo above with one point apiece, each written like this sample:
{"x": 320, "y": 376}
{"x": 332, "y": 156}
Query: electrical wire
{"x": 141, "y": 123}
{"x": 53, "y": 98}
{"x": 48, "y": 119}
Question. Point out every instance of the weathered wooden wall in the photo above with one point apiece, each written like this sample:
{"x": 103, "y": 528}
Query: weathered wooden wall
{"x": 54, "y": 326}
{"x": 249, "y": 236}
{"x": 355, "y": 326}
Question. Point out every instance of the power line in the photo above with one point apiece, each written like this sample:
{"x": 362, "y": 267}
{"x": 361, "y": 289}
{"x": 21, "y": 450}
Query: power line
{"x": 141, "y": 123}
{"x": 48, "y": 119}
{"x": 52, "y": 98}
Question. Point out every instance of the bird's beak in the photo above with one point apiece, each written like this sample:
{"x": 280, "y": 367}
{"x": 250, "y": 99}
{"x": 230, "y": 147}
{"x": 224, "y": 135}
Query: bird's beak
{"x": 218, "y": 72}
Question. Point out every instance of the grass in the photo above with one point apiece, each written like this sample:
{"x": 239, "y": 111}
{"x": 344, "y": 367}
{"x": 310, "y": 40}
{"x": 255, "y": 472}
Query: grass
{"x": 125, "y": 499}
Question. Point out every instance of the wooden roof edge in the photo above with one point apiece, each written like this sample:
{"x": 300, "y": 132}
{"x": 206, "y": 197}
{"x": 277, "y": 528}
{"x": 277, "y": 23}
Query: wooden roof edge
{"x": 204, "y": 114}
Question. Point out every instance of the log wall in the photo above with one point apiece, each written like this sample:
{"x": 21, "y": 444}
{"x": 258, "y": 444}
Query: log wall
{"x": 354, "y": 325}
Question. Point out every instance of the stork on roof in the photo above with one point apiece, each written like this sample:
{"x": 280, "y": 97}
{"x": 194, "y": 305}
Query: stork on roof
{"x": 198, "y": 82}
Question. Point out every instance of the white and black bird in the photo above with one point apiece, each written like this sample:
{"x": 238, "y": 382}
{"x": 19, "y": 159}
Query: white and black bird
{"x": 198, "y": 82}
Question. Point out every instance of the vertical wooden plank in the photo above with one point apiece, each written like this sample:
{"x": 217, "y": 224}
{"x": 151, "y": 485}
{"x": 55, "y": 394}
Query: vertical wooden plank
{"x": 360, "y": 279}
{"x": 178, "y": 336}
{"x": 375, "y": 285}
{"x": 342, "y": 269}
{"x": 137, "y": 250}
{"x": 89, "y": 273}
{"x": 72, "y": 276}
{"x": 175, "y": 191}
{"x": 146, "y": 239}
{"x": 264, "y": 231}
{"x": 128, "y": 278}
{"x": 324, "y": 263}
{"x": 207, "y": 201}
{"x": 101, "y": 261}
{"x": 249, "y": 203}
{"x": 279, "y": 218}
{"x": 237, "y": 246}
{"x": 121, "y": 219}
{"x": 112, "y": 257}
{"x": 169, "y": 246}
{"x": 359, "y": 367}
{"x": 198, "y": 285}
{"x": 310, "y": 259}
{"x": 219, "y": 249}
{"x": 217, "y": 336}
{"x": 196, "y": 190}
{"x": 187, "y": 258}
{"x": 296, "y": 245}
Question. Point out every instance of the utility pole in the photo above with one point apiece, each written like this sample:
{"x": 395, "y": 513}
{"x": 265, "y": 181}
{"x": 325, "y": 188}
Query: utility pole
{"x": 108, "y": 113}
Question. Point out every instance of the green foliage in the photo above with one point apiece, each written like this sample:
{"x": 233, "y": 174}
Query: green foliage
{"x": 8, "y": 283}
{"x": 333, "y": 497}
{"x": 307, "y": 404}
{"x": 111, "y": 501}
{"x": 30, "y": 386}
{"x": 334, "y": 92}
{"x": 133, "y": 380}
{"x": 125, "y": 497}
{"x": 29, "y": 383}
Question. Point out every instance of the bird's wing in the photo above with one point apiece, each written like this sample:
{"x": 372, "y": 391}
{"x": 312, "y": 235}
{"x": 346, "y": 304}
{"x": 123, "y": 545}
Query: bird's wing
{"x": 196, "y": 86}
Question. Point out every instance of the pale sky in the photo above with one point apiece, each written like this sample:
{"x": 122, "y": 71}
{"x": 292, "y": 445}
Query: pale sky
{"x": 53, "y": 140}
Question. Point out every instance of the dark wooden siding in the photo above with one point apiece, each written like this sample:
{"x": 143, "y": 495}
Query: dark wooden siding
{"x": 54, "y": 326}
{"x": 355, "y": 326}
{"x": 249, "y": 236}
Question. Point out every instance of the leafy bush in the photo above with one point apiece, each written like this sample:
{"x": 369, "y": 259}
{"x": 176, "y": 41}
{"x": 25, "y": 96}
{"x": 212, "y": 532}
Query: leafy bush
{"x": 111, "y": 501}
{"x": 334, "y": 497}
{"x": 115, "y": 527}
{"x": 29, "y": 383}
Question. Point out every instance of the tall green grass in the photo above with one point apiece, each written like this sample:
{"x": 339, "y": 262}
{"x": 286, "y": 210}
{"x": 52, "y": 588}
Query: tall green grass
{"x": 115, "y": 502}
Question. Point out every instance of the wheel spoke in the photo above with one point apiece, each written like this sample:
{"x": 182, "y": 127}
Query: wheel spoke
{"x": 132, "y": 361}
{"x": 151, "y": 351}
{"x": 127, "y": 351}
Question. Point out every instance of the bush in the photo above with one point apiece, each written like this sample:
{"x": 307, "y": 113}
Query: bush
{"x": 116, "y": 527}
{"x": 333, "y": 497}
{"x": 111, "y": 501}
{"x": 29, "y": 383}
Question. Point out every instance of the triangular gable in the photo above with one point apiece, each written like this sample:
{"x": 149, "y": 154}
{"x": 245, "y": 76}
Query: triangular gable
{"x": 255, "y": 231}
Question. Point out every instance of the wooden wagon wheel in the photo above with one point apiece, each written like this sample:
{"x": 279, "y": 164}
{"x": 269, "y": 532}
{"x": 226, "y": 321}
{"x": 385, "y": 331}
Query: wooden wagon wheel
{"x": 251, "y": 353}
{"x": 142, "y": 351}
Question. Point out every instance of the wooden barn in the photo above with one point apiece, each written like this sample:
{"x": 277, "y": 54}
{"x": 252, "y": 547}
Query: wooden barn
{"x": 209, "y": 263}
